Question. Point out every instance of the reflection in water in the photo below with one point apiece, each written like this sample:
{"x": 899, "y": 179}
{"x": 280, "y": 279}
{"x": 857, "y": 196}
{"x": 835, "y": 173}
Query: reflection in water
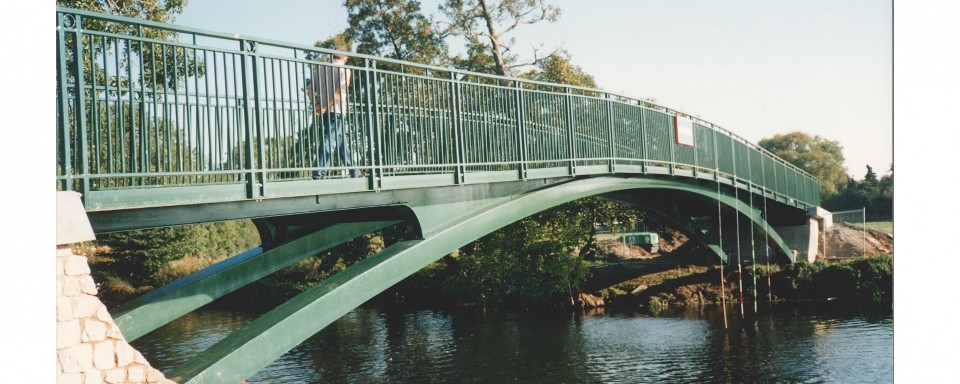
{"x": 808, "y": 343}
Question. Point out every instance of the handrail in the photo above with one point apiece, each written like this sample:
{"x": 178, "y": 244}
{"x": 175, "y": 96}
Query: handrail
{"x": 201, "y": 109}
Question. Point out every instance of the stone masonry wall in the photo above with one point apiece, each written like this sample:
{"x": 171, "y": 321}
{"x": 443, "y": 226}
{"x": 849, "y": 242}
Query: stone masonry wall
{"x": 90, "y": 347}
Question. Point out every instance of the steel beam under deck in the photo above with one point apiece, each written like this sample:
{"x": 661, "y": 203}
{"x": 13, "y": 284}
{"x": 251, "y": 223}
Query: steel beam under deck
{"x": 683, "y": 220}
{"x": 162, "y": 305}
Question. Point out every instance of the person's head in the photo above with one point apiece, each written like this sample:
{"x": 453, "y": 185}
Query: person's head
{"x": 339, "y": 57}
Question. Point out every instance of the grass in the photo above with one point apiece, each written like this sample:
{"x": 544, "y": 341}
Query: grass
{"x": 885, "y": 226}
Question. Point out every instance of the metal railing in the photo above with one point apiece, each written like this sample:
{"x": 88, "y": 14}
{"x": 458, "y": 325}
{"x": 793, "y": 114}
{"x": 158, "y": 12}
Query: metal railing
{"x": 156, "y": 114}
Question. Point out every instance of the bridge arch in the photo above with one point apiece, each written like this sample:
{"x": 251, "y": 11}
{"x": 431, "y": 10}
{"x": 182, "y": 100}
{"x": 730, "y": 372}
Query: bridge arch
{"x": 253, "y": 347}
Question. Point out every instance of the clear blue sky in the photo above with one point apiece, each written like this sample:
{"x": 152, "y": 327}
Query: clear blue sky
{"x": 757, "y": 68}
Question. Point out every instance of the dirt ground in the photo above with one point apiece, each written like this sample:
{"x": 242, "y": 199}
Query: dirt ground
{"x": 613, "y": 250}
{"x": 846, "y": 241}
{"x": 692, "y": 278}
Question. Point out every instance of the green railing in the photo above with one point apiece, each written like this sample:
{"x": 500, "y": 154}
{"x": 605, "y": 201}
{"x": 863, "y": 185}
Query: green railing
{"x": 154, "y": 114}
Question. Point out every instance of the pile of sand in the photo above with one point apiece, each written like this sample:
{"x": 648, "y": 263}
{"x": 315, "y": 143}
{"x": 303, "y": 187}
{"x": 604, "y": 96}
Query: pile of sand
{"x": 846, "y": 241}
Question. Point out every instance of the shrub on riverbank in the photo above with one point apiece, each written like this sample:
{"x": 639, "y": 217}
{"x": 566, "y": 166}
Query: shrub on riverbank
{"x": 128, "y": 264}
{"x": 868, "y": 278}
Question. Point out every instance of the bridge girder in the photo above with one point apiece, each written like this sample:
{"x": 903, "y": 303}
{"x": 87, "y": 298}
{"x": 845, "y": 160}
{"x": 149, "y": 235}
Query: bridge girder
{"x": 246, "y": 351}
{"x": 145, "y": 313}
{"x": 681, "y": 216}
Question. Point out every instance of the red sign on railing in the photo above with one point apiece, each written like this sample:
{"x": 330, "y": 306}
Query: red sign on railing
{"x": 684, "y": 131}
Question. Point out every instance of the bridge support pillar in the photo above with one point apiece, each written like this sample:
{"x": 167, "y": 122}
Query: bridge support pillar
{"x": 90, "y": 346}
{"x": 802, "y": 240}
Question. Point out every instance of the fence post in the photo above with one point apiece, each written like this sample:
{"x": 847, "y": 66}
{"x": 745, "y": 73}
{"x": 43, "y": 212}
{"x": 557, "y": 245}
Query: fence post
{"x": 374, "y": 147}
{"x": 571, "y": 138}
{"x": 643, "y": 139}
{"x": 824, "y": 242}
{"x": 672, "y": 139}
{"x": 611, "y": 164}
{"x": 733, "y": 158}
{"x": 864, "y": 229}
{"x": 62, "y": 105}
{"x": 696, "y": 159}
{"x": 716, "y": 156}
{"x": 521, "y": 133}
{"x": 80, "y": 112}
{"x": 254, "y": 186}
{"x": 457, "y": 129}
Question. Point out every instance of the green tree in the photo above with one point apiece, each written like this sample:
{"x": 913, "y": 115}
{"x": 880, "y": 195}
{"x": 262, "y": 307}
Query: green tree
{"x": 816, "y": 155}
{"x": 531, "y": 261}
{"x": 486, "y": 26}
{"x": 871, "y": 193}
{"x": 159, "y": 69}
{"x": 536, "y": 261}
{"x": 886, "y": 194}
{"x": 557, "y": 68}
{"x": 394, "y": 28}
{"x": 159, "y": 11}
{"x": 139, "y": 255}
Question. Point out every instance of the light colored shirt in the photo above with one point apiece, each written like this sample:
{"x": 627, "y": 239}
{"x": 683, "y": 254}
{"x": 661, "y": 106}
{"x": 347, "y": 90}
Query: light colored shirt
{"x": 329, "y": 88}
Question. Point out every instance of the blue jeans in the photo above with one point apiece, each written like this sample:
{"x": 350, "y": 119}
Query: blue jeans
{"x": 334, "y": 138}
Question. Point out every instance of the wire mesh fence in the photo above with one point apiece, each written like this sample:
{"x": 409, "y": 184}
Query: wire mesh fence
{"x": 848, "y": 236}
{"x": 852, "y": 236}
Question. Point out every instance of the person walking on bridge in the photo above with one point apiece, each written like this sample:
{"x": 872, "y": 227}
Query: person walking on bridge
{"x": 328, "y": 91}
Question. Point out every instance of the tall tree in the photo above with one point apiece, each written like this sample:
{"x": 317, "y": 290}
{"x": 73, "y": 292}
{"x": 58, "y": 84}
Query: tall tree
{"x": 161, "y": 72}
{"x": 164, "y": 11}
{"x": 487, "y": 24}
{"x": 876, "y": 195}
{"x": 820, "y": 157}
{"x": 394, "y": 28}
{"x": 557, "y": 68}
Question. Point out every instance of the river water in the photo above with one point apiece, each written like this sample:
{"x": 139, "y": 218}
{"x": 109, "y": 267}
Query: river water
{"x": 831, "y": 342}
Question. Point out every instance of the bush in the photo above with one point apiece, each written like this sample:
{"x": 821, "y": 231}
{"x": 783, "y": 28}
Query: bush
{"x": 133, "y": 262}
{"x": 868, "y": 279}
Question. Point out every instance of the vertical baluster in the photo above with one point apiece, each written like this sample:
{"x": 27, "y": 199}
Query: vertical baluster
{"x": 612, "y": 147}
{"x": 375, "y": 140}
{"x": 521, "y": 131}
{"x": 457, "y": 126}
{"x": 571, "y": 144}
{"x": 62, "y": 105}
{"x": 251, "y": 75}
{"x": 80, "y": 114}
{"x": 113, "y": 128}
{"x": 167, "y": 127}
{"x": 94, "y": 112}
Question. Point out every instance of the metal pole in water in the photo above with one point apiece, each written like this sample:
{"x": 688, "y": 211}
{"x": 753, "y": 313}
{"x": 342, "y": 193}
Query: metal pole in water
{"x": 766, "y": 237}
{"x": 736, "y": 213}
{"x": 753, "y": 257}
{"x": 723, "y": 294}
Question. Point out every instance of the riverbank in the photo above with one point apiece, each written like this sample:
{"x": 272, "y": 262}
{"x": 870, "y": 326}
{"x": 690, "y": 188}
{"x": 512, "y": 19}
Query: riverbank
{"x": 685, "y": 274}
{"x": 681, "y": 273}
{"x": 868, "y": 279}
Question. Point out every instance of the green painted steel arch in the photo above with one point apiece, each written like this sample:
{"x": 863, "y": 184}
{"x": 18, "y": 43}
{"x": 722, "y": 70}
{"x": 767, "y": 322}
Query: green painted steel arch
{"x": 246, "y": 351}
{"x": 742, "y": 208}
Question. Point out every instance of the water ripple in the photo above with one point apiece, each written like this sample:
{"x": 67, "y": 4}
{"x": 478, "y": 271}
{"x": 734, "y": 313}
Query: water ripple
{"x": 783, "y": 344}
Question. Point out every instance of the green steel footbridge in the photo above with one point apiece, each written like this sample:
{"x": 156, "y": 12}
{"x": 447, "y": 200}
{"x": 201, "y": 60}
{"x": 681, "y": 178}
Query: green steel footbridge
{"x": 161, "y": 125}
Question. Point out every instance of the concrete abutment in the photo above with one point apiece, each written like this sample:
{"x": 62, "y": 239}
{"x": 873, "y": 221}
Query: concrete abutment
{"x": 90, "y": 347}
